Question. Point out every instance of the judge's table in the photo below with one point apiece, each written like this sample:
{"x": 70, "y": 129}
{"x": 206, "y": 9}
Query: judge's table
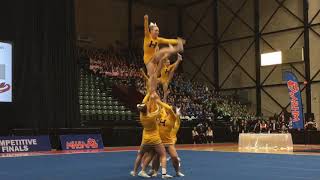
{"x": 265, "y": 142}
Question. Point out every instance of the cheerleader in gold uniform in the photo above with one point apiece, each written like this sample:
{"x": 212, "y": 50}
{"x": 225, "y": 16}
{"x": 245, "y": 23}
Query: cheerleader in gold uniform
{"x": 167, "y": 72}
{"x": 176, "y": 128}
{"x": 151, "y": 141}
{"x": 168, "y": 127}
{"x": 151, "y": 43}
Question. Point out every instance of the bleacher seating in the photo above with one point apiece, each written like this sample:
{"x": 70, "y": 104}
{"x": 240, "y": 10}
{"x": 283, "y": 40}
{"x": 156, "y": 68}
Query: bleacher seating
{"x": 97, "y": 103}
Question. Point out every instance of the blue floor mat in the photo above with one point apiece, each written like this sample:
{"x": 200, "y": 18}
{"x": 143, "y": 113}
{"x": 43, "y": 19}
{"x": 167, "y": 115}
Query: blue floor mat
{"x": 196, "y": 166}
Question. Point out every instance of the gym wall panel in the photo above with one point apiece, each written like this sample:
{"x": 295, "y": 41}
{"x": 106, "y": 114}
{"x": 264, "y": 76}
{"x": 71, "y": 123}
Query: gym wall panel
{"x": 314, "y": 53}
{"x": 107, "y": 21}
{"x": 238, "y": 50}
{"x": 235, "y": 37}
{"x": 99, "y": 20}
{"x": 198, "y": 30}
{"x": 313, "y": 10}
{"x": 231, "y": 26}
{"x": 194, "y": 58}
{"x": 282, "y": 18}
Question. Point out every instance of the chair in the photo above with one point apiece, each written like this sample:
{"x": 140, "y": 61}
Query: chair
{"x": 98, "y": 107}
{"x": 92, "y": 102}
{"x": 99, "y": 115}
{"x": 122, "y": 108}
{"x": 117, "y": 115}
{"x": 80, "y": 101}
{"x": 129, "y": 115}
{"x": 86, "y": 102}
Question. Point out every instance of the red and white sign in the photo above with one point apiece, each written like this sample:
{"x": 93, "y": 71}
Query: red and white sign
{"x": 4, "y": 87}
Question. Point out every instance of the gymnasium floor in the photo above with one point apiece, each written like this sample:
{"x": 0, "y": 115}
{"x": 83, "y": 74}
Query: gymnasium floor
{"x": 201, "y": 162}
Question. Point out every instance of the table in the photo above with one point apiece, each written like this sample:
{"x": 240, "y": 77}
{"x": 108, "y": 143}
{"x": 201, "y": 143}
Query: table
{"x": 265, "y": 141}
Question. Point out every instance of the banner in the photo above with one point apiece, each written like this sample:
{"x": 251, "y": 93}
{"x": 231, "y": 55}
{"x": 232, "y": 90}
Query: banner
{"x": 81, "y": 142}
{"x": 5, "y": 72}
{"x": 10, "y": 144}
{"x": 295, "y": 100}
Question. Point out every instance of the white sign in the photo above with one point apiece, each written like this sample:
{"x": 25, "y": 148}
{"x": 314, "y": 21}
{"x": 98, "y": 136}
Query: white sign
{"x": 273, "y": 58}
{"x": 5, "y": 72}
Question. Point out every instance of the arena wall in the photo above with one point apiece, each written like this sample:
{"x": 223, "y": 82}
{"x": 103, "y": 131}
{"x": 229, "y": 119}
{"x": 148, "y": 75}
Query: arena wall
{"x": 99, "y": 20}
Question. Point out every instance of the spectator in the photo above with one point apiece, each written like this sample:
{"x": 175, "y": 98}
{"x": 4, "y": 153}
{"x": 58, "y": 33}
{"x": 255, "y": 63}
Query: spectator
{"x": 243, "y": 126}
{"x": 209, "y": 135}
{"x": 257, "y": 127}
{"x": 202, "y": 133}
{"x": 273, "y": 126}
{"x": 195, "y": 135}
{"x": 263, "y": 127}
{"x": 310, "y": 125}
{"x": 284, "y": 128}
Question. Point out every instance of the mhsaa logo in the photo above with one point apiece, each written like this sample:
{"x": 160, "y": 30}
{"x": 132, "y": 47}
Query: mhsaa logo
{"x": 4, "y": 87}
{"x": 90, "y": 144}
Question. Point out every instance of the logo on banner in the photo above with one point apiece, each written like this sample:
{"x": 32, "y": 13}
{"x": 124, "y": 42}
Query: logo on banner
{"x": 90, "y": 144}
{"x": 295, "y": 100}
{"x": 81, "y": 142}
{"x": 4, "y": 87}
{"x": 295, "y": 111}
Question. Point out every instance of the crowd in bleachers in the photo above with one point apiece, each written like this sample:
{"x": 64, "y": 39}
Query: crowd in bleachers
{"x": 196, "y": 100}
{"x": 188, "y": 96}
{"x": 110, "y": 63}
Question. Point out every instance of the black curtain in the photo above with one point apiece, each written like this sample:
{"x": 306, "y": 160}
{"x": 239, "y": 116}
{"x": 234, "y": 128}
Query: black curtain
{"x": 45, "y": 73}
